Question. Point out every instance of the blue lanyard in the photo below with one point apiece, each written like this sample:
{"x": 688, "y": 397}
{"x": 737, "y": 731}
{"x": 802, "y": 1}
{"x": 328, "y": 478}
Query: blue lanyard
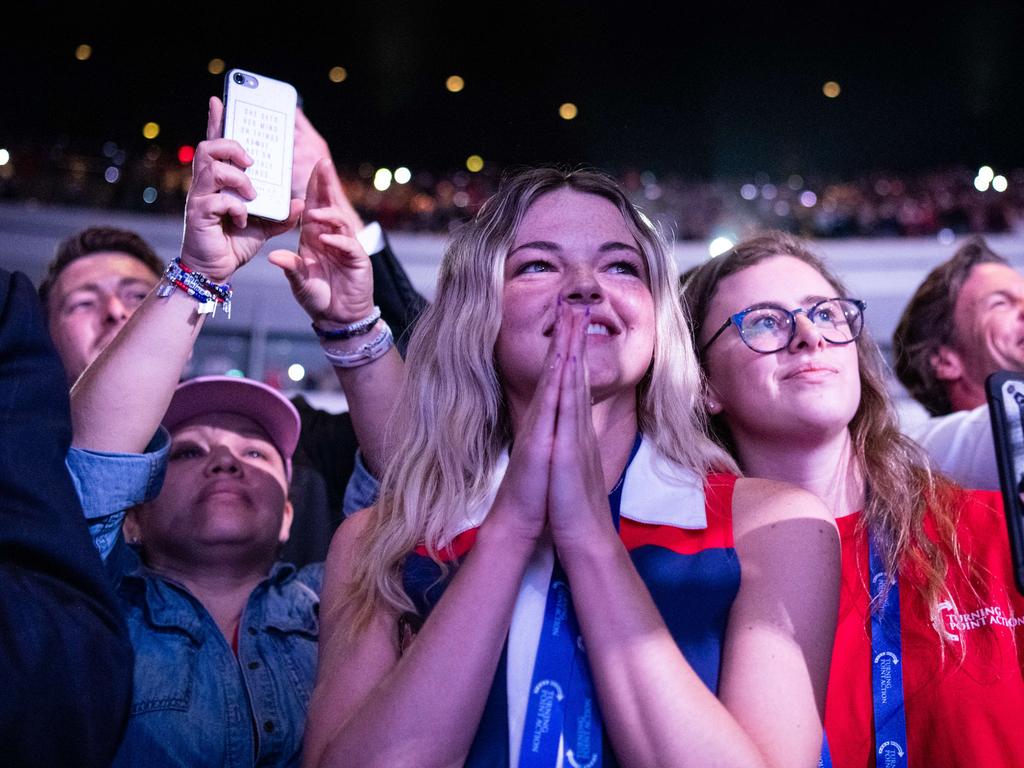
{"x": 887, "y": 671}
{"x": 562, "y": 696}
{"x": 886, "y": 674}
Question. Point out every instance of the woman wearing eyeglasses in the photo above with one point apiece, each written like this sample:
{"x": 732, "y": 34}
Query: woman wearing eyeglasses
{"x": 926, "y": 667}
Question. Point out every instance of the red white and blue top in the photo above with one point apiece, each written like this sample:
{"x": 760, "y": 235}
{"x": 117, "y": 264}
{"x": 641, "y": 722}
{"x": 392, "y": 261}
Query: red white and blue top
{"x": 679, "y": 533}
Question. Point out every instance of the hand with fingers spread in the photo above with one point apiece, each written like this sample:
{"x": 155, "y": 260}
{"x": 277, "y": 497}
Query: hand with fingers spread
{"x": 577, "y": 502}
{"x": 331, "y": 275}
{"x": 219, "y": 235}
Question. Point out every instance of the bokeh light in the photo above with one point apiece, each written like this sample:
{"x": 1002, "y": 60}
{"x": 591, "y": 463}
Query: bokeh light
{"x": 151, "y": 130}
{"x": 215, "y": 67}
{"x": 454, "y": 84}
{"x": 475, "y": 163}
{"x": 382, "y": 179}
{"x": 568, "y": 111}
{"x": 831, "y": 89}
{"x": 718, "y": 246}
{"x": 83, "y": 52}
{"x": 337, "y": 74}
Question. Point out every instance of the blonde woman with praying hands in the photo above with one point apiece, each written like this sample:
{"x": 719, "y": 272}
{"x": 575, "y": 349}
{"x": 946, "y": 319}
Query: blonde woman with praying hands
{"x": 562, "y": 568}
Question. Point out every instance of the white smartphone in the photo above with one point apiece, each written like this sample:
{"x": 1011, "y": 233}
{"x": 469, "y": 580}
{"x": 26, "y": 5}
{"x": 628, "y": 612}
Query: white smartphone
{"x": 259, "y": 113}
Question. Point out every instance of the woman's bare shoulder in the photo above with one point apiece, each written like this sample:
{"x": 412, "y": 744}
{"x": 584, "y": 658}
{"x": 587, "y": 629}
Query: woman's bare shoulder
{"x": 344, "y": 541}
{"x": 758, "y": 502}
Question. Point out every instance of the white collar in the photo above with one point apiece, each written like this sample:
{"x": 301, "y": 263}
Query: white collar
{"x": 655, "y": 491}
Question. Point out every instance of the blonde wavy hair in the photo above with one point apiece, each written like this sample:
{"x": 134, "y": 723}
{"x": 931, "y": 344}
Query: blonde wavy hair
{"x": 452, "y": 422}
{"x": 901, "y": 487}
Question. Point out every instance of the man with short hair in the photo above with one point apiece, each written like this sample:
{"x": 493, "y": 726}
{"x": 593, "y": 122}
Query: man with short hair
{"x": 97, "y": 278}
{"x": 965, "y": 322}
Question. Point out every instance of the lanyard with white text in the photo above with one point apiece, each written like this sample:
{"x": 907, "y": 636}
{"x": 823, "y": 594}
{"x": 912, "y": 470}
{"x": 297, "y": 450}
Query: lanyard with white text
{"x": 563, "y": 705}
{"x": 562, "y": 697}
{"x": 886, "y": 675}
{"x": 887, "y": 670}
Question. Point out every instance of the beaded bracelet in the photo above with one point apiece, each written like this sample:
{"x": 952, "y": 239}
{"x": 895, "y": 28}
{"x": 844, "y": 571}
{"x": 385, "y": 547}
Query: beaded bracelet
{"x": 197, "y": 285}
{"x": 365, "y": 353}
{"x": 358, "y": 328}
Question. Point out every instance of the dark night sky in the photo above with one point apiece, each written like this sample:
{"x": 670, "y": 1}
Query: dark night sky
{"x": 725, "y": 91}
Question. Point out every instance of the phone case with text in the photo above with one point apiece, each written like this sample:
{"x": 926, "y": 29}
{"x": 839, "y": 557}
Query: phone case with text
{"x": 259, "y": 113}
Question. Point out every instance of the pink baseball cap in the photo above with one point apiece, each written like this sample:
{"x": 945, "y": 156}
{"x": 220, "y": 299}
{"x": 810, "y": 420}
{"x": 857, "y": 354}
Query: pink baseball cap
{"x": 231, "y": 394}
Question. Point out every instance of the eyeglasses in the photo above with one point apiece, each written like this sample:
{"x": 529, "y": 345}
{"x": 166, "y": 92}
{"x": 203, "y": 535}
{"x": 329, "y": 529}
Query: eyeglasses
{"x": 767, "y": 328}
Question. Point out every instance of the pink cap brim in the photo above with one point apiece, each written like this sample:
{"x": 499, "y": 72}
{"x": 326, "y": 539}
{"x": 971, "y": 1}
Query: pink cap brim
{"x": 228, "y": 394}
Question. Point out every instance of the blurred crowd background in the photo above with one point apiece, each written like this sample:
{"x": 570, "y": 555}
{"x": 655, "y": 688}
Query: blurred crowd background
{"x": 947, "y": 202}
{"x": 885, "y": 133}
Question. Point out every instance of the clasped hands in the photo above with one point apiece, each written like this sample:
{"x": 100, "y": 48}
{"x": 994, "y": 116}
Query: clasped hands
{"x": 555, "y": 478}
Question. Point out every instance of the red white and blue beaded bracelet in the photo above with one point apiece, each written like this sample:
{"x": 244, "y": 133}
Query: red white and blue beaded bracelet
{"x": 207, "y": 293}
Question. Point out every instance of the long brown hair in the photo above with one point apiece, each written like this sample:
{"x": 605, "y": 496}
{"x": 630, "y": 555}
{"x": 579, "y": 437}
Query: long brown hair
{"x": 901, "y": 487}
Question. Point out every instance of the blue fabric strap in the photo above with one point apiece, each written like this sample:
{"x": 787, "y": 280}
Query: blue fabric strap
{"x": 886, "y": 674}
{"x": 563, "y": 706}
{"x": 887, "y": 670}
{"x": 561, "y": 692}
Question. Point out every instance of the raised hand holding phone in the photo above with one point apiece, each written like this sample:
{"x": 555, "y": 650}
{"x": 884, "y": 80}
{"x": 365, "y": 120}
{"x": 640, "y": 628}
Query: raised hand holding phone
{"x": 219, "y": 235}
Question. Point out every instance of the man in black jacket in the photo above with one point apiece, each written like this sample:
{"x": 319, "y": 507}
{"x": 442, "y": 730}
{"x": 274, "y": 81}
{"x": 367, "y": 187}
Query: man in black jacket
{"x": 65, "y": 659}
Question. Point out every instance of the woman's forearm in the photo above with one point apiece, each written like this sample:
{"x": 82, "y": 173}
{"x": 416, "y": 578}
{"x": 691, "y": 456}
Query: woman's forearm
{"x": 425, "y": 711}
{"x": 655, "y": 708}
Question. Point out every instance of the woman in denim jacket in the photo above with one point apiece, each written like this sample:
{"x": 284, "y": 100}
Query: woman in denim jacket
{"x": 225, "y": 637}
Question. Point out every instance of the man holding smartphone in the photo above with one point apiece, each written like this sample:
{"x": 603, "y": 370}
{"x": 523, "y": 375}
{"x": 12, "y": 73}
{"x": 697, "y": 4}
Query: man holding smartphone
{"x": 964, "y": 322}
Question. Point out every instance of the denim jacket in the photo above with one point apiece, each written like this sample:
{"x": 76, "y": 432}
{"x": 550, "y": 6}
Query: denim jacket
{"x": 362, "y": 489}
{"x": 195, "y": 703}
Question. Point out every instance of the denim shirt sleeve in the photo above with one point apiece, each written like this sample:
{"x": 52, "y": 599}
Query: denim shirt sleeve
{"x": 108, "y": 484}
{"x": 362, "y": 488}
